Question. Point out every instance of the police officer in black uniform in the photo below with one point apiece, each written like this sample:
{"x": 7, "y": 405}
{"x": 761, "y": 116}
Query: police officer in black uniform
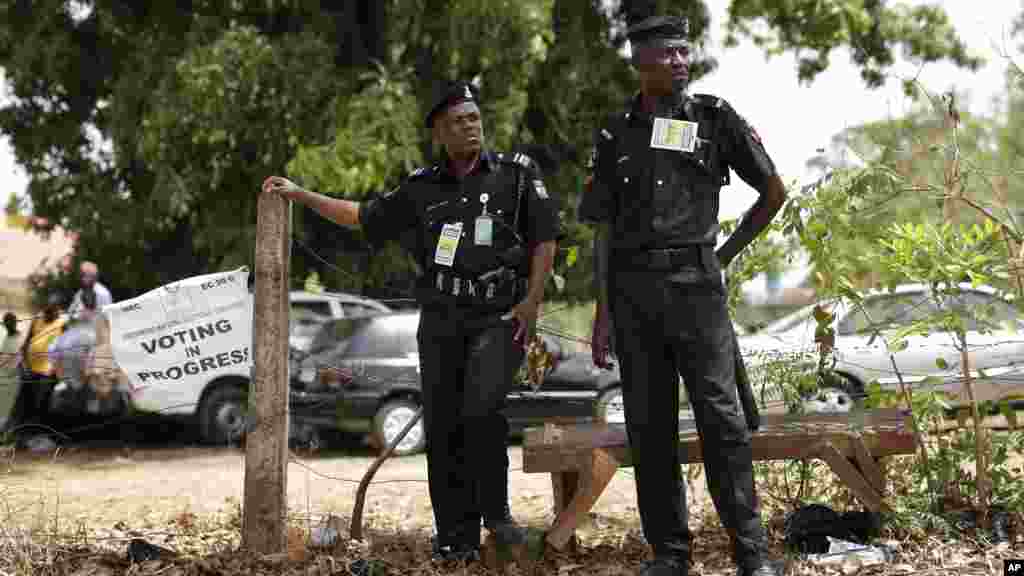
{"x": 485, "y": 241}
{"x": 658, "y": 167}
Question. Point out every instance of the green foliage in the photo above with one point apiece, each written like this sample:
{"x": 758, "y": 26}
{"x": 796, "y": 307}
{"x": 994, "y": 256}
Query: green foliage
{"x": 768, "y": 252}
{"x": 942, "y": 256}
{"x": 872, "y": 29}
{"x": 13, "y": 206}
{"x": 147, "y": 128}
{"x": 376, "y": 143}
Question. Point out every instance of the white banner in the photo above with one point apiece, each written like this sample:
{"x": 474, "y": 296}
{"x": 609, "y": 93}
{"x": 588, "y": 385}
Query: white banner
{"x": 199, "y": 326}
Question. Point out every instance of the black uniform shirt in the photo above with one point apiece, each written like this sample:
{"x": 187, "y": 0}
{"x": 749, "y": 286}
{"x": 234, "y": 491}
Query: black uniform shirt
{"x": 433, "y": 197}
{"x": 656, "y": 198}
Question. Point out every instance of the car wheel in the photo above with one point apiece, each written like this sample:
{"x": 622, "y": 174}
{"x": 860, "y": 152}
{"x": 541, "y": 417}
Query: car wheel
{"x": 222, "y": 415}
{"x": 391, "y": 418}
{"x": 839, "y": 396}
{"x": 610, "y": 406}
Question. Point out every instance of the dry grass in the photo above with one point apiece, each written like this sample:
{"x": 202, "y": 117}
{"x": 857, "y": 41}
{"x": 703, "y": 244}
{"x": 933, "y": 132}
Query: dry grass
{"x": 39, "y": 536}
{"x": 209, "y": 545}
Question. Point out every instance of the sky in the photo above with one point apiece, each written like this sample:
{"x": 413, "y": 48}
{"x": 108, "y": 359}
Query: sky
{"x": 795, "y": 120}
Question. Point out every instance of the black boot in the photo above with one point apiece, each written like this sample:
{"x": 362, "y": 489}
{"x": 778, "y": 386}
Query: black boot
{"x": 664, "y": 566}
{"x": 455, "y": 552}
{"x": 505, "y": 529}
{"x": 766, "y": 568}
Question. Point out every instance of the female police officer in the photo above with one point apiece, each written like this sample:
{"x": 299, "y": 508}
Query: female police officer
{"x": 487, "y": 231}
{"x": 658, "y": 168}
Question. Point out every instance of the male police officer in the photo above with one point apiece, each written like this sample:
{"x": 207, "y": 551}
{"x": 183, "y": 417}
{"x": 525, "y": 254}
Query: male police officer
{"x": 484, "y": 222}
{"x": 657, "y": 171}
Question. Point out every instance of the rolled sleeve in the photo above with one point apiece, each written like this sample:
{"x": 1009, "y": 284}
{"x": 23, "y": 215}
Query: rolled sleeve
{"x": 387, "y": 216}
{"x": 745, "y": 152}
{"x": 597, "y": 202}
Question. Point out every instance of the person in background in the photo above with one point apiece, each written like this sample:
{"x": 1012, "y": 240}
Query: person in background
{"x": 71, "y": 349}
{"x": 9, "y": 369}
{"x": 38, "y": 373}
{"x": 90, "y": 281}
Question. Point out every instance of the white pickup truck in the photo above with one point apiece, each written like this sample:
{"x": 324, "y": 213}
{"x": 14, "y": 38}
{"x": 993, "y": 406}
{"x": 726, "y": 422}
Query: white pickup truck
{"x": 218, "y": 404}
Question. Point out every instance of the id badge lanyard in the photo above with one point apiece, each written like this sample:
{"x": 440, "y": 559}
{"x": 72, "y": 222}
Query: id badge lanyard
{"x": 483, "y": 234}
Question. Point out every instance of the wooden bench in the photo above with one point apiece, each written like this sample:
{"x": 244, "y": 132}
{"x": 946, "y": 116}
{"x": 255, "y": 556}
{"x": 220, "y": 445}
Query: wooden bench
{"x": 583, "y": 458}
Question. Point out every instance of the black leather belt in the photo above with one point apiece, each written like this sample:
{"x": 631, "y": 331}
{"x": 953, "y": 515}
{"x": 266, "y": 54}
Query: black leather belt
{"x": 662, "y": 259}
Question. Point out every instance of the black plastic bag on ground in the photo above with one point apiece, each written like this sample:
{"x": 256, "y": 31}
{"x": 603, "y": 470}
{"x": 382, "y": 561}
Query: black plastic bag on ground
{"x": 141, "y": 551}
{"x": 807, "y": 528}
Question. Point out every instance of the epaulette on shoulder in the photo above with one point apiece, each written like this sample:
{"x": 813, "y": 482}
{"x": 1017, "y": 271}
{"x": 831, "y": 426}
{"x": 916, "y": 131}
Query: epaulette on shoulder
{"x": 711, "y": 101}
{"x": 520, "y": 159}
{"x": 421, "y": 173}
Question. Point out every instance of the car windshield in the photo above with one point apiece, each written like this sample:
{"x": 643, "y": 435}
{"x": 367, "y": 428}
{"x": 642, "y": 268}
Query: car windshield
{"x": 386, "y": 336}
{"x": 985, "y": 312}
{"x": 789, "y": 321}
{"x": 336, "y": 332}
{"x": 886, "y": 312}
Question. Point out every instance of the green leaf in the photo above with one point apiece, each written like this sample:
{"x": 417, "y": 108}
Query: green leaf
{"x": 941, "y": 363}
{"x": 899, "y": 345}
{"x": 570, "y": 258}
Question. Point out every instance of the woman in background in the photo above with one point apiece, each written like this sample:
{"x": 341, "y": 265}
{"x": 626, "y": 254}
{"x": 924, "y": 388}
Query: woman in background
{"x": 39, "y": 379}
{"x": 9, "y": 370}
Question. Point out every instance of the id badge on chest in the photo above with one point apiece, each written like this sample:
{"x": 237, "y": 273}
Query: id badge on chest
{"x": 483, "y": 231}
{"x": 447, "y": 244}
{"x": 678, "y": 135}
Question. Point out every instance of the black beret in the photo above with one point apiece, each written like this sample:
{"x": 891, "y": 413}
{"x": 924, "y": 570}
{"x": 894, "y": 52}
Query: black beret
{"x": 454, "y": 93}
{"x": 657, "y": 27}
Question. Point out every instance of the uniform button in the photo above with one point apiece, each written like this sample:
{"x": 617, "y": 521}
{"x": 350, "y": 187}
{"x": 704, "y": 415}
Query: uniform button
{"x": 626, "y": 179}
{"x": 660, "y": 182}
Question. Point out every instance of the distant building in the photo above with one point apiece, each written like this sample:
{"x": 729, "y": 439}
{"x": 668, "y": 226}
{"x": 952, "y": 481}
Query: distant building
{"x": 25, "y": 252}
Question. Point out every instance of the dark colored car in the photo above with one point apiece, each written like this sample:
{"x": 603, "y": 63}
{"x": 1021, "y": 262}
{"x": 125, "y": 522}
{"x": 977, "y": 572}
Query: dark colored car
{"x": 362, "y": 376}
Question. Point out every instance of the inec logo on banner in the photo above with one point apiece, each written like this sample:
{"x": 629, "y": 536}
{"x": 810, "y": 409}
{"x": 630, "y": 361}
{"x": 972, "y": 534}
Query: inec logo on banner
{"x": 196, "y": 326}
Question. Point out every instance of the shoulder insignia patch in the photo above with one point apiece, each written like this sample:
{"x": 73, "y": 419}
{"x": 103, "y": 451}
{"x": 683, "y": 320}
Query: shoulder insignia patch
{"x": 711, "y": 100}
{"x": 520, "y": 159}
{"x": 542, "y": 192}
{"x": 421, "y": 173}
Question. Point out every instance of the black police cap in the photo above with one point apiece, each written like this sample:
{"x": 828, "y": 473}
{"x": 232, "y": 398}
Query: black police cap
{"x": 454, "y": 93}
{"x": 657, "y": 28}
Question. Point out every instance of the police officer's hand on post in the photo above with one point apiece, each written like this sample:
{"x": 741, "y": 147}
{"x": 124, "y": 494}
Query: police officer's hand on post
{"x": 286, "y": 188}
{"x": 340, "y": 211}
{"x": 524, "y": 315}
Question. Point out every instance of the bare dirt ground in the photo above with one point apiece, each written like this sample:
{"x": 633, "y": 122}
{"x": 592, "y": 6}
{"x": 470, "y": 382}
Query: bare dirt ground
{"x": 188, "y": 499}
{"x": 103, "y": 487}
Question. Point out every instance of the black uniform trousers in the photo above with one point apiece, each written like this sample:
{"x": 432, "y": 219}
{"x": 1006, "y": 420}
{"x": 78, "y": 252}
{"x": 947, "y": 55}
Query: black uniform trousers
{"x": 468, "y": 363}
{"x": 669, "y": 323}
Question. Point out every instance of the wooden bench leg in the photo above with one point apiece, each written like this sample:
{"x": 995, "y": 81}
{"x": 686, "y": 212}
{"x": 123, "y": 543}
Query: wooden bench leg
{"x": 853, "y": 478}
{"x": 576, "y": 493}
{"x": 563, "y": 485}
{"x": 867, "y": 465}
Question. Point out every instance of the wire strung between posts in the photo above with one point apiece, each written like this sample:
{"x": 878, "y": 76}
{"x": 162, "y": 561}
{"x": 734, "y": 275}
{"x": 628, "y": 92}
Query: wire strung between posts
{"x": 344, "y": 272}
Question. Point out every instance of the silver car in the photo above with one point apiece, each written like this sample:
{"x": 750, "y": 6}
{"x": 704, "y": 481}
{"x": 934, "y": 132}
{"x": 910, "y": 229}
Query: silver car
{"x": 994, "y": 337}
{"x": 309, "y": 311}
